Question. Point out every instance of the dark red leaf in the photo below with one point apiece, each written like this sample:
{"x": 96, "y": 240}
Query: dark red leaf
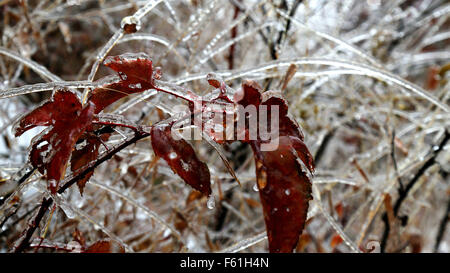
{"x": 64, "y": 105}
{"x": 181, "y": 158}
{"x": 83, "y": 156}
{"x": 285, "y": 191}
{"x": 136, "y": 75}
{"x": 67, "y": 120}
{"x": 249, "y": 94}
{"x": 283, "y": 175}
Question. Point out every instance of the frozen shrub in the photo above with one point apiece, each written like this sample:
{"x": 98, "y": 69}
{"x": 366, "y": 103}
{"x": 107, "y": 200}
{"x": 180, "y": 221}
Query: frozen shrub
{"x": 139, "y": 104}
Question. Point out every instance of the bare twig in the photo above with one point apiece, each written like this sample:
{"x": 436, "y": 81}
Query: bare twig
{"x": 442, "y": 227}
{"x": 403, "y": 194}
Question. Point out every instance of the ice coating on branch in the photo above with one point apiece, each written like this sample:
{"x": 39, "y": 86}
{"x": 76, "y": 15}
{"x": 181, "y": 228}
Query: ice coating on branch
{"x": 130, "y": 24}
{"x": 125, "y": 58}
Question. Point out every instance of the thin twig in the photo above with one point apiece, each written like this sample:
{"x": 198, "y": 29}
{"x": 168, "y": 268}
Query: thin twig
{"x": 404, "y": 193}
{"x": 28, "y": 232}
{"x": 323, "y": 145}
{"x": 394, "y": 161}
{"x": 442, "y": 227}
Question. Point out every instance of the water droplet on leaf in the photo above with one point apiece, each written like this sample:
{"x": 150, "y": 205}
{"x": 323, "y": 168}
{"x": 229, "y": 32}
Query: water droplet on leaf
{"x": 173, "y": 155}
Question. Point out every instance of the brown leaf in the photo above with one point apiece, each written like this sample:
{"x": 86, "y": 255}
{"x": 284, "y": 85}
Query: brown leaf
{"x": 78, "y": 237}
{"x": 336, "y": 240}
{"x": 180, "y": 222}
{"x": 304, "y": 240}
{"x": 194, "y": 195}
{"x": 105, "y": 246}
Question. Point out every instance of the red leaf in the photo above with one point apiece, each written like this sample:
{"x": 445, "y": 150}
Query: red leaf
{"x": 83, "y": 156}
{"x": 285, "y": 191}
{"x": 67, "y": 120}
{"x": 63, "y": 106}
{"x": 136, "y": 75}
{"x": 181, "y": 158}
{"x": 283, "y": 174}
{"x": 249, "y": 94}
{"x": 105, "y": 246}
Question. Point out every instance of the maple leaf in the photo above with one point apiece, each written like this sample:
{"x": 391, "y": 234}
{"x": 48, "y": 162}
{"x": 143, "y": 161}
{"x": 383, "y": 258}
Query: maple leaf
{"x": 66, "y": 120}
{"x": 283, "y": 174}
